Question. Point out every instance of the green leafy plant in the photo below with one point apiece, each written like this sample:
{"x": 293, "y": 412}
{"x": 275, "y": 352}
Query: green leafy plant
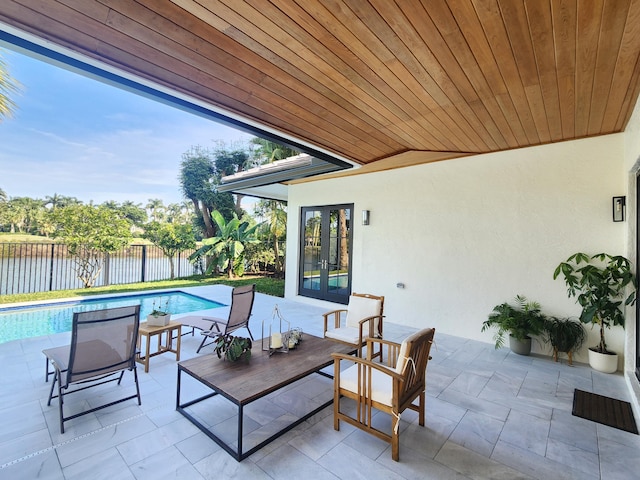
{"x": 520, "y": 321}
{"x": 599, "y": 283}
{"x": 564, "y": 335}
{"x": 159, "y": 310}
{"x": 227, "y": 247}
{"x": 171, "y": 238}
{"x": 233, "y": 348}
{"x": 90, "y": 232}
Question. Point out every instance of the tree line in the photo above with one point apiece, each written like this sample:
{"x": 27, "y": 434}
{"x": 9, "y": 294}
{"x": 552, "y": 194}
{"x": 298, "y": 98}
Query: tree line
{"x": 231, "y": 239}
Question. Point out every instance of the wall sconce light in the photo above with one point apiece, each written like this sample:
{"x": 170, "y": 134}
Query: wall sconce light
{"x": 365, "y": 217}
{"x": 619, "y": 204}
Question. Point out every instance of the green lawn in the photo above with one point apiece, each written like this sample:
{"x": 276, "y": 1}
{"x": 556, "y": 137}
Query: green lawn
{"x": 26, "y": 238}
{"x": 267, "y": 285}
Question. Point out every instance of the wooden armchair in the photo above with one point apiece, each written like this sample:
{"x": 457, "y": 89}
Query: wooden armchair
{"x": 390, "y": 387}
{"x": 362, "y": 320}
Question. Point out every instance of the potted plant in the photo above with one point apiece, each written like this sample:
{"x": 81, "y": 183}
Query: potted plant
{"x": 565, "y": 335}
{"x": 520, "y": 322}
{"x": 600, "y": 283}
{"x": 159, "y": 316}
{"x": 233, "y": 348}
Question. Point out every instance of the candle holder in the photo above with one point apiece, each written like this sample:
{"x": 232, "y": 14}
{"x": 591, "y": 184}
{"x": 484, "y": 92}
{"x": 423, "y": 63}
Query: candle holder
{"x": 277, "y": 339}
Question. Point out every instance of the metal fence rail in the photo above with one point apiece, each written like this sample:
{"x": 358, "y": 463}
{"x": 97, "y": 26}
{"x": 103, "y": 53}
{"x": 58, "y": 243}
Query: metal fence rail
{"x": 39, "y": 267}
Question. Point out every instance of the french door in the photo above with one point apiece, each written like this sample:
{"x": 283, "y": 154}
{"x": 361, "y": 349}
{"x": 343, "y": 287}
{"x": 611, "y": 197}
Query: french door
{"x": 325, "y": 259}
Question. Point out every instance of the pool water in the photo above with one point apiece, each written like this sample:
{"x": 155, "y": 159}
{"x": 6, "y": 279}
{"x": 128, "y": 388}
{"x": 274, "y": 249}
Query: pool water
{"x": 34, "y": 321}
{"x": 334, "y": 282}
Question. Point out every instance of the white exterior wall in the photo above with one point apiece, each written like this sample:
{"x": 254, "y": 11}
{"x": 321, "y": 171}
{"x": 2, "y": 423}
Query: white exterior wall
{"x": 465, "y": 235}
{"x": 632, "y": 168}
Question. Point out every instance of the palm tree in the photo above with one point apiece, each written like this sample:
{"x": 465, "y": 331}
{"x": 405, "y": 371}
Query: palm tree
{"x": 271, "y": 151}
{"x": 60, "y": 201}
{"x": 55, "y": 200}
{"x": 275, "y": 223}
{"x": 156, "y": 209}
{"x": 3, "y": 196}
{"x": 15, "y": 216}
{"x": 8, "y": 86}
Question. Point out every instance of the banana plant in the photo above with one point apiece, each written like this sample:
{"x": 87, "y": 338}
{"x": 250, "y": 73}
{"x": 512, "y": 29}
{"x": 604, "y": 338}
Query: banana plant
{"x": 227, "y": 247}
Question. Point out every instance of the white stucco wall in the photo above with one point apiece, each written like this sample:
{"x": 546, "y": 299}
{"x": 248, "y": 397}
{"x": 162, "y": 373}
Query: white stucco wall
{"x": 465, "y": 235}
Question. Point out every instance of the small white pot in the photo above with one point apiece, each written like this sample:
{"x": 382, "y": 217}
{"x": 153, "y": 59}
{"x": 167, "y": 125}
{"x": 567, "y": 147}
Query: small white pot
{"x": 159, "y": 320}
{"x": 603, "y": 362}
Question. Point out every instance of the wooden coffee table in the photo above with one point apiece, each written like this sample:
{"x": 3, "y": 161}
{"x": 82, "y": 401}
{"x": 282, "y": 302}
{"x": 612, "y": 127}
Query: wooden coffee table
{"x": 242, "y": 382}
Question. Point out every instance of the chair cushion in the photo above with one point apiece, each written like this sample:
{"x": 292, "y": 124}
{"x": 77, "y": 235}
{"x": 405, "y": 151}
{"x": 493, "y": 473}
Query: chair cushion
{"x": 360, "y": 308}
{"x": 402, "y": 354}
{"x": 381, "y": 384}
{"x": 345, "y": 334}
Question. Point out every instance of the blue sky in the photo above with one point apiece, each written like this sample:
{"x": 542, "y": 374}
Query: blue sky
{"x": 78, "y": 137}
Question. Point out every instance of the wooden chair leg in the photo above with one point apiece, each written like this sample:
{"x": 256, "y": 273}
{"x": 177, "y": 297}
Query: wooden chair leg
{"x": 336, "y": 396}
{"x": 395, "y": 439}
{"x": 421, "y": 401}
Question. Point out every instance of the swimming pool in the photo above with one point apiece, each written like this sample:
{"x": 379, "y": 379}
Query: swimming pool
{"x": 37, "y": 320}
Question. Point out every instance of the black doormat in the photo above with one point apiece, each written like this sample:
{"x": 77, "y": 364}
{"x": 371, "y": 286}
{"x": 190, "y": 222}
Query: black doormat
{"x": 605, "y": 410}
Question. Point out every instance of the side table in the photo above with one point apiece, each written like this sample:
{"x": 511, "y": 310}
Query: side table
{"x": 149, "y": 331}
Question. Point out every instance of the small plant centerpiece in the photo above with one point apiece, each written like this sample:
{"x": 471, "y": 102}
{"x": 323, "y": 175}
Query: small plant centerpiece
{"x": 159, "y": 316}
{"x": 233, "y": 348}
{"x": 600, "y": 284}
{"x": 520, "y": 322}
{"x": 565, "y": 335}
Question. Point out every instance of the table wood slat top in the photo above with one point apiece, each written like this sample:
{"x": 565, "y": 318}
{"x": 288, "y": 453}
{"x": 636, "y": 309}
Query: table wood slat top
{"x": 243, "y": 382}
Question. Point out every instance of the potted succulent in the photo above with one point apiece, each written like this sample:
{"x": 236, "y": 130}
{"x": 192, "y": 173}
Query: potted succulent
{"x": 603, "y": 285}
{"x": 565, "y": 335}
{"x": 159, "y": 316}
{"x": 233, "y": 348}
{"x": 520, "y": 322}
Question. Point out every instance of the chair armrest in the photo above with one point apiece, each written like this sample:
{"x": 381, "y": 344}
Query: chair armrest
{"x": 338, "y": 357}
{"x": 393, "y": 350}
{"x": 382, "y": 341}
{"x": 336, "y": 318}
{"x": 370, "y": 320}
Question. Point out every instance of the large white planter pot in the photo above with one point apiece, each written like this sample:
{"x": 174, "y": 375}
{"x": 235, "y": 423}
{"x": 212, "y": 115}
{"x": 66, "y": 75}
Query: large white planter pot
{"x": 158, "y": 321}
{"x": 603, "y": 362}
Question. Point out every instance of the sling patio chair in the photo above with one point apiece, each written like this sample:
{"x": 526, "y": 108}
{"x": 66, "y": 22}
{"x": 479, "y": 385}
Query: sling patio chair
{"x": 103, "y": 346}
{"x": 241, "y": 305}
{"x": 390, "y": 387}
{"x": 361, "y": 319}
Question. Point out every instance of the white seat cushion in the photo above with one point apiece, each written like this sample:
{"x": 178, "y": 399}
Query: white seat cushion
{"x": 360, "y": 308}
{"x": 346, "y": 334}
{"x": 381, "y": 384}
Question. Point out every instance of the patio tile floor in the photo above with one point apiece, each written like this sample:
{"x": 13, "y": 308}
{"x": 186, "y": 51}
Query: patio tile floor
{"x": 490, "y": 414}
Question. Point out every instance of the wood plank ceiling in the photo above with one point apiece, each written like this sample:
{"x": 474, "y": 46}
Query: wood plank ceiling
{"x": 369, "y": 80}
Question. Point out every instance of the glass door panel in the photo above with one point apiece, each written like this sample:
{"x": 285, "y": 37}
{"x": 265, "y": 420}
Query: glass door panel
{"x": 311, "y": 253}
{"x": 338, "y": 268}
